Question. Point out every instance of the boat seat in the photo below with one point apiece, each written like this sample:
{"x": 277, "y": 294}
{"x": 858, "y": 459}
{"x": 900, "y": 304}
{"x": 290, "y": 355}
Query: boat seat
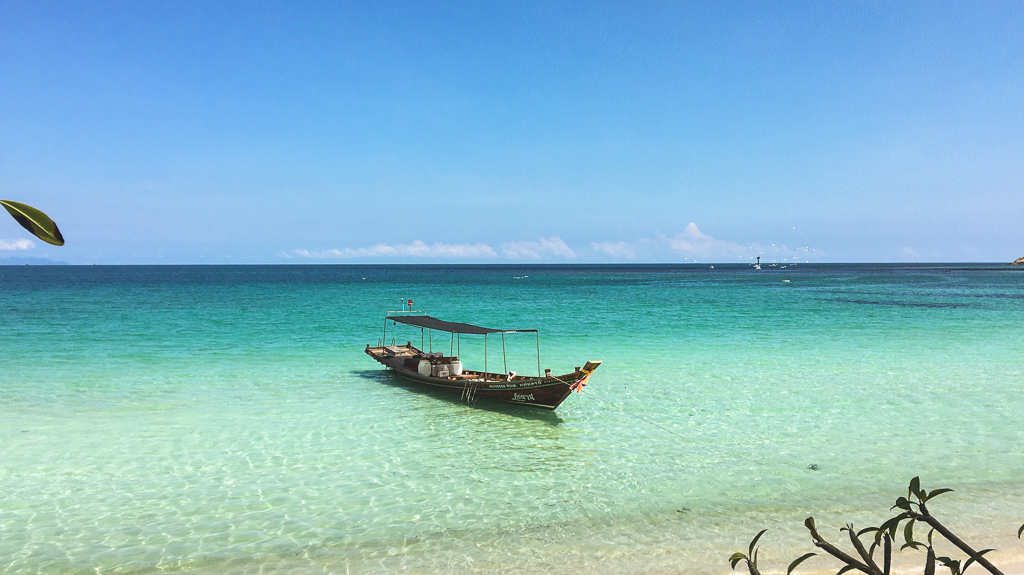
{"x": 393, "y": 349}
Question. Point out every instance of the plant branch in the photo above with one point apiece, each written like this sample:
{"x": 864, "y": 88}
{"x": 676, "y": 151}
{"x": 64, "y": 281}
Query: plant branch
{"x": 926, "y": 517}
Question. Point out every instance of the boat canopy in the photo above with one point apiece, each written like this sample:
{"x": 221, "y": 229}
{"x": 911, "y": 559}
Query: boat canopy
{"x": 449, "y": 326}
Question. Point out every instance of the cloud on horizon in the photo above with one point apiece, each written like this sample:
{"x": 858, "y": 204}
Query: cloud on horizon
{"x": 907, "y": 252}
{"x": 416, "y": 249}
{"x": 544, "y": 248}
{"x": 691, "y": 244}
{"x": 553, "y": 246}
{"x": 16, "y": 245}
{"x": 617, "y": 250}
{"x": 696, "y": 243}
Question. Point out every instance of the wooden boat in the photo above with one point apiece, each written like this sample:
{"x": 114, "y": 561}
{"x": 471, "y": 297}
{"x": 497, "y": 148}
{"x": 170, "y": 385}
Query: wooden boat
{"x": 445, "y": 372}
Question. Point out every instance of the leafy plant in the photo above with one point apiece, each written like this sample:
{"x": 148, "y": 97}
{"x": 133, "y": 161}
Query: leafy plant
{"x": 36, "y": 222}
{"x": 912, "y": 511}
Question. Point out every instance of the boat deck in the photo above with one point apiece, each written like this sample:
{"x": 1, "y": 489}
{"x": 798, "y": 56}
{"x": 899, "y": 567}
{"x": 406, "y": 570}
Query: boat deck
{"x": 399, "y": 354}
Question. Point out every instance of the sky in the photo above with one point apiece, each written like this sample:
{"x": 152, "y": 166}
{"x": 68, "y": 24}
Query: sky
{"x": 198, "y": 132}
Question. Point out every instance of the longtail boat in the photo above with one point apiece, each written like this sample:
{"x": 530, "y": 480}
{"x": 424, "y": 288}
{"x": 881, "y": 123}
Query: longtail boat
{"x": 445, "y": 372}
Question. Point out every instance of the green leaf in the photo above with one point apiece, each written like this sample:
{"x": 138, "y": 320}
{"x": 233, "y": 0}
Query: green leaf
{"x": 1019, "y": 531}
{"x": 798, "y": 561}
{"x": 975, "y": 558}
{"x": 887, "y": 553}
{"x": 36, "y": 222}
{"x": 736, "y": 558}
{"x": 902, "y": 503}
{"x": 845, "y": 569}
{"x": 952, "y": 564}
{"x": 809, "y": 524}
{"x": 912, "y": 545}
{"x": 915, "y": 486}
{"x": 892, "y": 525}
{"x": 936, "y": 492}
{"x": 754, "y": 542}
{"x": 908, "y": 531}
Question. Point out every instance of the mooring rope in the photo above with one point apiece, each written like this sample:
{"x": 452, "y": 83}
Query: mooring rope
{"x": 666, "y": 430}
{"x": 595, "y": 396}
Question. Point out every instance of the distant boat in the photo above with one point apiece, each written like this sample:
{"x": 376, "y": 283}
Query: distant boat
{"x": 445, "y": 372}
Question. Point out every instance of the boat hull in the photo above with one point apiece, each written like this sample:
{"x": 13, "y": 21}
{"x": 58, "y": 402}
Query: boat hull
{"x": 538, "y": 392}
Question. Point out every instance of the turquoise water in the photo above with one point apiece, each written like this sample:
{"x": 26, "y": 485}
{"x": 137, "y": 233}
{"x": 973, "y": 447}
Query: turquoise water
{"x": 226, "y": 420}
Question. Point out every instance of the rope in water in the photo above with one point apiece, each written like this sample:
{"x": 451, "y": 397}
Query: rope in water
{"x": 666, "y": 430}
{"x": 627, "y": 412}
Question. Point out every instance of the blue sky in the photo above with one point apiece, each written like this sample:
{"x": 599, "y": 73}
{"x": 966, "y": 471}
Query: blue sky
{"x": 448, "y": 132}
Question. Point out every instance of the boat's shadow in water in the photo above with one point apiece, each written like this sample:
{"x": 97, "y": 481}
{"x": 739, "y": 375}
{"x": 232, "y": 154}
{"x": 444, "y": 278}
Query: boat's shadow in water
{"x": 386, "y": 377}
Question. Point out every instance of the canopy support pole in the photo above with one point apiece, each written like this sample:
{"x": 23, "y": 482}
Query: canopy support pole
{"x": 504, "y": 359}
{"x": 485, "y": 357}
{"x": 538, "y": 354}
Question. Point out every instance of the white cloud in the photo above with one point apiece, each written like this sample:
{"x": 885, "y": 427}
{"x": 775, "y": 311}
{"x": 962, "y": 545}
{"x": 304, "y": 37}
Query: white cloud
{"x": 540, "y": 249}
{"x": 619, "y": 250}
{"x": 694, "y": 242}
{"x": 691, "y": 244}
{"x": 416, "y": 249}
{"x": 909, "y": 253}
{"x": 553, "y": 246}
{"x": 16, "y": 245}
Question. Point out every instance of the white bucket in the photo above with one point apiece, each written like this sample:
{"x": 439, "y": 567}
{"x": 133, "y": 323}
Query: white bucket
{"x": 424, "y": 368}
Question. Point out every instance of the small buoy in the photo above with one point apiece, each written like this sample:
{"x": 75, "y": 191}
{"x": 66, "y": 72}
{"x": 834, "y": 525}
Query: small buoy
{"x": 785, "y": 281}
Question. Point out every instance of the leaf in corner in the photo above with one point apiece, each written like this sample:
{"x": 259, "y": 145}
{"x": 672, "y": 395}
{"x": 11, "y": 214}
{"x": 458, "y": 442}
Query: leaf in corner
{"x": 36, "y": 222}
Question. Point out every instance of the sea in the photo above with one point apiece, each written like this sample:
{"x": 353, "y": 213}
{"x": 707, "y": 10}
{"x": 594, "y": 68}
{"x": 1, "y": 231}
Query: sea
{"x": 225, "y": 419}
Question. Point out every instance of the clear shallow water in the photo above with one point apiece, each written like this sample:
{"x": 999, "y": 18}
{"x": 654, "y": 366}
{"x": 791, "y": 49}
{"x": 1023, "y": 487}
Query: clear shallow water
{"x": 225, "y": 419}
